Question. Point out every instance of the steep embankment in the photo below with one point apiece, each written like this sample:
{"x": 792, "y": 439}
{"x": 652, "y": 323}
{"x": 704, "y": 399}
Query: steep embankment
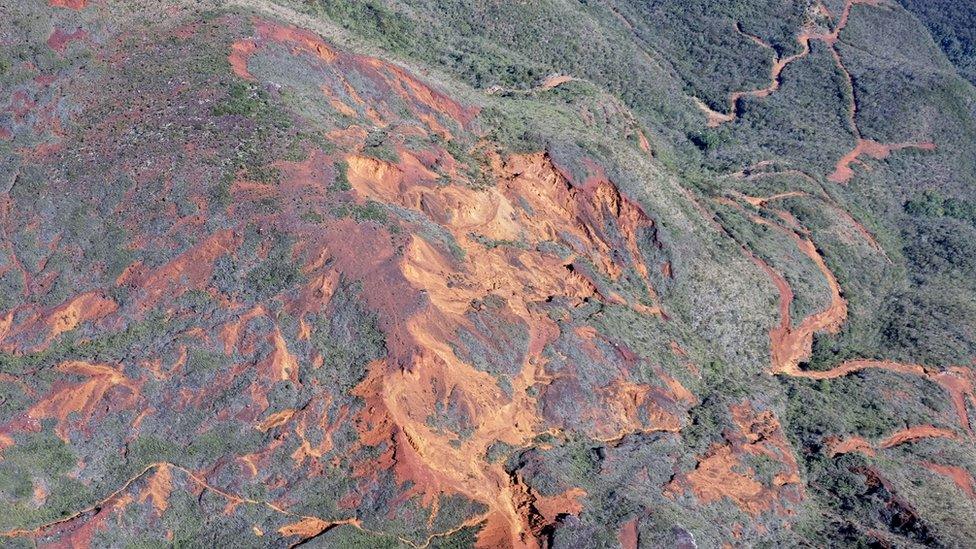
{"x": 530, "y": 246}
{"x": 791, "y": 343}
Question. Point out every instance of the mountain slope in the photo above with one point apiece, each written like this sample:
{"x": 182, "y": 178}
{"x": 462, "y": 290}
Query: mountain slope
{"x": 415, "y": 273}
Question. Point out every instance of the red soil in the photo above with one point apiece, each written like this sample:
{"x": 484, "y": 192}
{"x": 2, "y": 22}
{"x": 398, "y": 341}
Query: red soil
{"x": 153, "y": 485}
{"x": 843, "y": 172}
{"x": 960, "y": 383}
{"x": 240, "y": 52}
{"x": 779, "y": 64}
{"x": 628, "y": 535}
{"x": 421, "y": 293}
{"x": 837, "y": 446}
{"x": 190, "y": 270}
{"x": 400, "y": 397}
{"x": 760, "y": 202}
{"x": 915, "y": 433}
{"x": 960, "y": 476}
{"x": 721, "y": 473}
{"x": 59, "y": 39}
{"x": 83, "y": 398}
{"x": 71, "y": 4}
{"x": 790, "y": 346}
{"x": 24, "y": 333}
{"x": 421, "y": 99}
{"x": 555, "y": 80}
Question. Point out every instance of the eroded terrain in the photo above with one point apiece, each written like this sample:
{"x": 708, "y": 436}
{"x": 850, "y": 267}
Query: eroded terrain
{"x": 266, "y": 285}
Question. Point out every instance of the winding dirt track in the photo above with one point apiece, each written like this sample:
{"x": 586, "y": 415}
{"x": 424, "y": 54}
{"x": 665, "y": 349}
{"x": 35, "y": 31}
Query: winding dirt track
{"x": 791, "y": 345}
{"x": 838, "y": 446}
{"x": 803, "y": 37}
{"x": 305, "y": 526}
{"x": 716, "y": 118}
{"x": 843, "y": 170}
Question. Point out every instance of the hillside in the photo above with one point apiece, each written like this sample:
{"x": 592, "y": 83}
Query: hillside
{"x": 405, "y": 273}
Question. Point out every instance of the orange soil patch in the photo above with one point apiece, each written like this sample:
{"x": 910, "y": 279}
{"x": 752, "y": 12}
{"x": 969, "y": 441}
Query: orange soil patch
{"x": 230, "y": 333}
{"x": 960, "y": 383}
{"x": 309, "y": 527}
{"x": 915, "y": 433}
{"x": 80, "y": 398}
{"x": 555, "y": 80}
{"x": 307, "y": 448}
{"x": 630, "y": 408}
{"x": 59, "y": 39}
{"x": 84, "y": 308}
{"x": 628, "y": 536}
{"x": 158, "y": 489}
{"x": 721, "y": 473}
{"x": 717, "y": 477}
{"x": 960, "y": 476}
{"x": 423, "y": 369}
{"x": 577, "y": 217}
{"x": 759, "y": 202}
{"x": 239, "y": 54}
{"x": 538, "y": 512}
{"x": 302, "y": 40}
{"x": 713, "y": 117}
{"x": 71, "y": 4}
{"x": 40, "y": 493}
{"x": 843, "y": 172}
{"x": 837, "y": 446}
{"x": 420, "y": 98}
{"x": 190, "y": 270}
{"x": 275, "y": 420}
{"x": 282, "y": 363}
{"x": 790, "y": 345}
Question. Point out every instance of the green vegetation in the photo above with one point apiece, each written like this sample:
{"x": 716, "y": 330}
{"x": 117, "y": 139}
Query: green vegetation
{"x": 348, "y": 338}
{"x": 243, "y": 99}
{"x": 249, "y": 101}
{"x": 40, "y": 458}
{"x": 378, "y": 145}
{"x": 275, "y": 274}
{"x": 370, "y": 211}
{"x": 341, "y": 183}
{"x": 932, "y": 204}
{"x": 370, "y": 18}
